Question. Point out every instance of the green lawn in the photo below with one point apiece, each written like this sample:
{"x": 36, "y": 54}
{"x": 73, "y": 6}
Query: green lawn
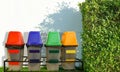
{"x": 44, "y": 69}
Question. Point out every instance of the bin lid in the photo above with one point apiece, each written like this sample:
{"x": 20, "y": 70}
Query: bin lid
{"x": 34, "y": 39}
{"x": 53, "y": 39}
{"x": 69, "y": 39}
{"x": 15, "y": 38}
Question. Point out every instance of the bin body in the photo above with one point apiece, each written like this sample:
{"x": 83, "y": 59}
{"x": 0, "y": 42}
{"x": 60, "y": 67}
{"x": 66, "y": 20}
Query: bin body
{"x": 68, "y": 53}
{"x": 53, "y": 51}
{"x": 15, "y": 50}
{"x": 34, "y": 45}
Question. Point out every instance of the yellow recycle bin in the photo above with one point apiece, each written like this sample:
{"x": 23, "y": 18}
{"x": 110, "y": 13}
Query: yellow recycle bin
{"x": 68, "y": 53}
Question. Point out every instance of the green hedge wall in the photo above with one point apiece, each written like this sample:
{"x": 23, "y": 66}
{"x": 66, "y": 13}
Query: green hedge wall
{"x": 101, "y": 35}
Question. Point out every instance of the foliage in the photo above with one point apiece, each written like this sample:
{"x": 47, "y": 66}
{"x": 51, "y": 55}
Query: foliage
{"x": 101, "y": 35}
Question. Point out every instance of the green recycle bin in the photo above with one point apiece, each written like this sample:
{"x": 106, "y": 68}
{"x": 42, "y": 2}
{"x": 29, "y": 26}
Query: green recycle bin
{"x": 53, "y": 51}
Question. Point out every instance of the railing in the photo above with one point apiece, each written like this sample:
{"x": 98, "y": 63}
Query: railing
{"x": 25, "y": 59}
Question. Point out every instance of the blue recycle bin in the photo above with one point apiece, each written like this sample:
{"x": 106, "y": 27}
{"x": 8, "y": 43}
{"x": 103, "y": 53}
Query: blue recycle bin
{"x": 34, "y": 45}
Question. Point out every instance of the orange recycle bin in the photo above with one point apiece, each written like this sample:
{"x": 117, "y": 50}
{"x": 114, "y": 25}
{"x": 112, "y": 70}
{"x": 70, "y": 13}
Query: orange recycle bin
{"x": 15, "y": 49}
{"x": 69, "y": 45}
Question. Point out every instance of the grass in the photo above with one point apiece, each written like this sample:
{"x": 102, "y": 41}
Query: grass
{"x": 44, "y": 69}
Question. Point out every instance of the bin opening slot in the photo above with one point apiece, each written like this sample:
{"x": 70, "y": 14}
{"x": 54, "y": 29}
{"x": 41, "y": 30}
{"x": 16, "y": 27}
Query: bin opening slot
{"x": 13, "y": 51}
{"x": 53, "y": 61}
{"x": 70, "y": 59}
{"x": 34, "y": 51}
{"x": 34, "y": 61}
{"x": 70, "y": 51}
{"x": 53, "y": 51}
{"x": 14, "y": 63}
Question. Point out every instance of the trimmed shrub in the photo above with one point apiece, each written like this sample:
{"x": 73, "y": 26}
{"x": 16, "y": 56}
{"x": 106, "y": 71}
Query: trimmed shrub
{"x": 101, "y": 35}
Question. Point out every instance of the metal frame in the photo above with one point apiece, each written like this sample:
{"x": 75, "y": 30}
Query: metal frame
{"x": 26, "y": 60}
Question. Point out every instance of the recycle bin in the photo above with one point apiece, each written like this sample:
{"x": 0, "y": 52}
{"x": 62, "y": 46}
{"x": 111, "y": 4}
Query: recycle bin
{"x": 53, "y": 51}
{"x": 69, "y": 45}
{"x": 34, "y": 45}
{"x": 15, "y": 49}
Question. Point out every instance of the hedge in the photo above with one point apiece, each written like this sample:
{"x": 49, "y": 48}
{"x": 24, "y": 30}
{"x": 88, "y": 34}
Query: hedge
{"x": 101, "y": 35}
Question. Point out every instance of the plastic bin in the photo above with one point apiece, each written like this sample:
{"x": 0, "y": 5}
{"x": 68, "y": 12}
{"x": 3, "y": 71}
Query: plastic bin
{"x": 15, "y": 48}
{"x": 53, "y": 51}
{"x": 34, "y": 45}
{"x": 69, "y": 44}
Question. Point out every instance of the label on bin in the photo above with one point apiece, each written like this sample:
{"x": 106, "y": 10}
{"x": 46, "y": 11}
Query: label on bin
{"x": 14, "y": 63}
{"x": 34, "y": 61}
{"x": 53, "y": 51}
{"x": 34, "y": 51}
{"x": 70, "y": 51}
{"x": 13, "y": 51}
